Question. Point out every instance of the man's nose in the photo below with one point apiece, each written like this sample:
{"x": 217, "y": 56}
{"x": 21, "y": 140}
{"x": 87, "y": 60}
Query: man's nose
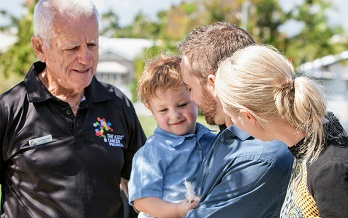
{"x": 84, "y": 55}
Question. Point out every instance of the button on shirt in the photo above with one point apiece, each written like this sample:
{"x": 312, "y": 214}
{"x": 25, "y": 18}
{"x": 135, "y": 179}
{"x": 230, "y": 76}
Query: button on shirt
{"x": 165, "y": 161}
{"x": 242, "y": 177}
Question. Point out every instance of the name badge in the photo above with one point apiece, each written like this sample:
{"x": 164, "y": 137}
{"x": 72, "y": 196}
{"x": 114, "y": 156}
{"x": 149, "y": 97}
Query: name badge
{"x": 40, "y": 140}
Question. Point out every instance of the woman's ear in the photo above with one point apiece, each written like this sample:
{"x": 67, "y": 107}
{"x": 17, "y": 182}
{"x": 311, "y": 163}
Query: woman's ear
{"x": 247, "y": 116}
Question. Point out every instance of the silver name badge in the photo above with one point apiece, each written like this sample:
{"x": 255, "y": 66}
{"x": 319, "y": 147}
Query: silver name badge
{"x": 41, "y": 140}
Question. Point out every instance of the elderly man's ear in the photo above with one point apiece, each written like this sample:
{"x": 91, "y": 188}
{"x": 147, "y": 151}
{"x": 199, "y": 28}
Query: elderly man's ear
{"x": 37, "y": 44}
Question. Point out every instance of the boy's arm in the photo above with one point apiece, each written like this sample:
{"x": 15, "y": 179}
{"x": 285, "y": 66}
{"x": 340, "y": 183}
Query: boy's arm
{"x": 159, "y": 208}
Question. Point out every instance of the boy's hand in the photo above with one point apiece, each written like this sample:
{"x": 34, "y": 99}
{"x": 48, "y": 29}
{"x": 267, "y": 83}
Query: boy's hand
{"x": 187, "y": 205}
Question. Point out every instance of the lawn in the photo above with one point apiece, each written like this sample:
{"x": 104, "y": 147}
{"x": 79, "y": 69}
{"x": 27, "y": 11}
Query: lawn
{"x": 149, "y": 124}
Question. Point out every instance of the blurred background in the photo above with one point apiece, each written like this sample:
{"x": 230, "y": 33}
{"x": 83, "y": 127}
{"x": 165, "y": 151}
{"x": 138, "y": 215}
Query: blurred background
{"x": 313, "y": 34}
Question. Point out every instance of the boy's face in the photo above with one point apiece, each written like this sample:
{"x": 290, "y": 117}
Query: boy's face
{"x": 174, "y": 111}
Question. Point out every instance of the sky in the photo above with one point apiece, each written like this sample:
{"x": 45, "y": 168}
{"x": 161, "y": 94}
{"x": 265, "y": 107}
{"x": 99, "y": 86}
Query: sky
{"x": 126, "y": 9}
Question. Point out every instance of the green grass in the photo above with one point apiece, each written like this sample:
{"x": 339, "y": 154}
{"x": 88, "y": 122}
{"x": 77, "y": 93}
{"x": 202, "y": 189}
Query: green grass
{"x": 149, "y": 124}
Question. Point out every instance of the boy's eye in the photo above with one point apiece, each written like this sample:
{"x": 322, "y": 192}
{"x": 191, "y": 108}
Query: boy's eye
{"x": 164, "y": 110}
{"x": 183, "y": 105}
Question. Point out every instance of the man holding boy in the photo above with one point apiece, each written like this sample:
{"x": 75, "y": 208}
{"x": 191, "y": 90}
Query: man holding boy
{"x": 240, "y": 176}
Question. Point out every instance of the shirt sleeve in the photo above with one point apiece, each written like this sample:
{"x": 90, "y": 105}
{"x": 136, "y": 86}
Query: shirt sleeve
{"x": 147, "y": 173}
{"x": 246, "y": 190}
{"x": 137, "y": 139}
{"x": 2, "y": 134}
{"x": 330, "y": 189}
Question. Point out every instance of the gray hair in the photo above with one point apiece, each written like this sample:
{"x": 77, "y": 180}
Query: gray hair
{"x": 45, "y": 10}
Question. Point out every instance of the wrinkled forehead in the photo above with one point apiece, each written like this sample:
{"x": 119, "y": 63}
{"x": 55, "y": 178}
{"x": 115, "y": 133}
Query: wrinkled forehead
{"x": 84, "y": 28}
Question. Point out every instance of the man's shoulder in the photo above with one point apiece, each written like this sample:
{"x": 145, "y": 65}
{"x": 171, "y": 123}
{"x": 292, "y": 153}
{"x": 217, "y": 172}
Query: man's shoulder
{"x": 101, "y": 91}
{"x": 106, "y": 88}
{"x": 253, "y": 149}
{"x": 14, "y": 94}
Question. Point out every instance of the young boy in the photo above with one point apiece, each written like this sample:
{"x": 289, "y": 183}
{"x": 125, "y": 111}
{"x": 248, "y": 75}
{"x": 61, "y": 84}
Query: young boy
{"x": 174, "y": 152}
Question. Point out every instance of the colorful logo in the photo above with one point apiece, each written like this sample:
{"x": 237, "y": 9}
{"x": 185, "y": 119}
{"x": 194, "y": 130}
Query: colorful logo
{"x": 102, "y": 127}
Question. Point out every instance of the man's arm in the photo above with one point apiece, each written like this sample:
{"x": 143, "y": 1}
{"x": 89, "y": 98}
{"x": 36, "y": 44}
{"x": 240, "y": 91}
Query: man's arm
{"x": 248, "y": 188}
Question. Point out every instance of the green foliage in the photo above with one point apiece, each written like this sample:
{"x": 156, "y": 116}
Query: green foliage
{"x": 19, "y": 57}
{"x": 267, "y": 24}
{"x": 315, "y": 39}
{"x": 264, "y": 19}
{"x": 110, "y": 23}
{"x": 139, "y": 64}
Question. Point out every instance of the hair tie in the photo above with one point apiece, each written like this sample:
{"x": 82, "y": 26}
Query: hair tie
{"x": 293, "y": 83}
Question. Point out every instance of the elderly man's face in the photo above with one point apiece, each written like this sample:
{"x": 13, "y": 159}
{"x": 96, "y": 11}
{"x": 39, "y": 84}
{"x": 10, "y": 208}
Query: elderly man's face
{"x": 72, "y": 57}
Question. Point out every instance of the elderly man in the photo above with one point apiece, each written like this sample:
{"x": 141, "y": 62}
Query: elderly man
{"x": 67, "y": 140}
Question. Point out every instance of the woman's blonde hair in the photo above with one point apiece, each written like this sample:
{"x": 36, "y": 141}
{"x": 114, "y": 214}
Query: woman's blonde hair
{"x": 262, "y": 81}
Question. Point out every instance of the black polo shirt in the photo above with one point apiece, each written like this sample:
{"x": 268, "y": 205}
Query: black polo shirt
{"x": 55, "y": 164}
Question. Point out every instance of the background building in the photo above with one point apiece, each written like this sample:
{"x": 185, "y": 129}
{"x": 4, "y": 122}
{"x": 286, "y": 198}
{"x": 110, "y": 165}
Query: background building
{"x": 116, "y": 60}
{"x": 332, "y": 72}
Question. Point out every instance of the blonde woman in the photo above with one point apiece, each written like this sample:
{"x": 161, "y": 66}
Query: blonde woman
{"x": 263, "y": 96}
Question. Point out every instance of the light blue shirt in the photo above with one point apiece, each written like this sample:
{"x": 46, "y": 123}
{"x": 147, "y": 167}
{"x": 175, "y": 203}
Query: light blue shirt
{"x": 242, "y": 177}
{"x": 165, "y": 161}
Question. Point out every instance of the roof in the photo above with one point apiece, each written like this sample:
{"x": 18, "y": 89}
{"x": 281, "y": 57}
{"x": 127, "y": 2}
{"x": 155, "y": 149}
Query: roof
{"x": 128, "y": 48}
{"x": 318, "y": 67}
{"x": 111, "y": 67}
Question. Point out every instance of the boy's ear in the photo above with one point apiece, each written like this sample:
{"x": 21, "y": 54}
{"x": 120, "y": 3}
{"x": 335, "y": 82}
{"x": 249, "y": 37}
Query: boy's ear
{"x": 246, "y": 115}
{"x": 148, "y": 107}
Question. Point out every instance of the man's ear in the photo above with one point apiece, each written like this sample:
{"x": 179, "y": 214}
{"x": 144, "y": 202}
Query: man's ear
{"x": 37, "y": 44}
{"x": 246, "y": 115}
{"x": 211, "y": 84}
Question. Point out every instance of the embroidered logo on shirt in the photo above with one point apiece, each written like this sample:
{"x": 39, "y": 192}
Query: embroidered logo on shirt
{"x": 115, "y": 140}
{"x": 103, "y": 130}
{"x": 102, "y": 127}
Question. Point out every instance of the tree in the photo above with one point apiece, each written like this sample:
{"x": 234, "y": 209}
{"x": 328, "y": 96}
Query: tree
{"x": 110, "y": 23}
{"x": 20, "y": 56}
{"x": 16, "y": 61}
{"x": 265, "y": 19}
{"x": 315, "y": 39}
